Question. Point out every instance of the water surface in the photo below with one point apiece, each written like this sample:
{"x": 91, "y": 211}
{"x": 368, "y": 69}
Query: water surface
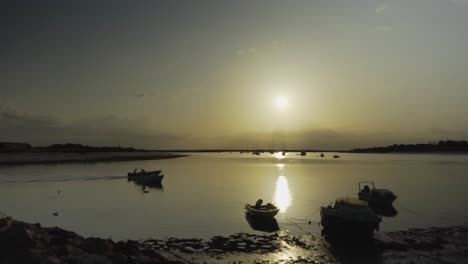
{"x": 204, "y": 194}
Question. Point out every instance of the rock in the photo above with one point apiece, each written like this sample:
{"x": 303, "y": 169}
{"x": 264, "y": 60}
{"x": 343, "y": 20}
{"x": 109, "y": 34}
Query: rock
{"x": 188, "y": 249}
{"x": 97, "y": 246}
{"x": 95, "y": 259}
{"x": 18, "y": 235}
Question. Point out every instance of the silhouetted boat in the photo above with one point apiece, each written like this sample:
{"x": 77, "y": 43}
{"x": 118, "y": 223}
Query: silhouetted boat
{"x": 375, "y": 196}
{"x": 150, "y": 178}
{"x": 349, "y": 218}
{"x": 336, "y": 156}
{"x": 262, "y": 211}
{"x": 303, "y": 153}
{"x": 321, "y": 155}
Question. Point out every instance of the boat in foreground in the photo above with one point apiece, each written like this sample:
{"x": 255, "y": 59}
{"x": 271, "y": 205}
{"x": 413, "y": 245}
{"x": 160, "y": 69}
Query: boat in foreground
{"x": 146, "y": 177}
{"x": 262, "y": 211}
{"x": 349, "y": 218}
{"x": 375, "y": 196}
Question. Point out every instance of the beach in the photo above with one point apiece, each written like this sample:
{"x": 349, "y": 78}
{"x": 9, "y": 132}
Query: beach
{"x": 32, "y": 243}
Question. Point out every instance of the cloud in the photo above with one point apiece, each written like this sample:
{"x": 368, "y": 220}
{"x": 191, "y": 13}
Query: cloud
{"x": 381, "y": 8}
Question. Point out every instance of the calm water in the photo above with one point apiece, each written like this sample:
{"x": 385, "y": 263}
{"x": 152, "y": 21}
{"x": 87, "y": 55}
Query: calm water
{"x": 204, "y": 194}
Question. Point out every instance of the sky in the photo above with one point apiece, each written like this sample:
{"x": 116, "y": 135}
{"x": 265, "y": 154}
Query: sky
{"x": 323, "y": 74}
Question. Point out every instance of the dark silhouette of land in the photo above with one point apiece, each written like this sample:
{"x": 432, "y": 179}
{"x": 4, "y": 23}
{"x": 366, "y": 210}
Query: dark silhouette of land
{"x": 443, "y": 146}
{"x": 10, "y": 147}
{"x": 23, "y": 153}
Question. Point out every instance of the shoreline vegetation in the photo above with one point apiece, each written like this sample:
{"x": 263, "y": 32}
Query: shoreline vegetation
{"x": 31, "y": 243}
{"x": 23, "y": 154}
{"x": 443, "y": 146}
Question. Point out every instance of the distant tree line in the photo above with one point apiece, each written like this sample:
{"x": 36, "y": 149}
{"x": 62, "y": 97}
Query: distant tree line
{"x": 9, "y": 147}
{"x": 441, "y": 146}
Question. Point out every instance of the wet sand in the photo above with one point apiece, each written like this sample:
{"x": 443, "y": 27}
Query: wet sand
{"x": 48, "y": 158}
{"x": 30, "y": 242}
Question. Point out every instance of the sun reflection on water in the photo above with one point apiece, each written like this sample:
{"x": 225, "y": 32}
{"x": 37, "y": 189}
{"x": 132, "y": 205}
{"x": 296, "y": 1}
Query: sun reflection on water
{"x": 279, "y": 155}
{"x": 282, "y": 197}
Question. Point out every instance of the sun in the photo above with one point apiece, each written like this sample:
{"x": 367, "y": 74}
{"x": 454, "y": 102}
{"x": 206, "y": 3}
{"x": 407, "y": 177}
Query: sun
{"x": 281, "y": 102}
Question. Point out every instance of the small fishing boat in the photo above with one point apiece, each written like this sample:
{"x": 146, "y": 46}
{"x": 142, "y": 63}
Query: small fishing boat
{"x": 262, "y": 211}
{"x": 146, "y": 177}
{"x": 322, "y": 155}
{"x": 336, "y": 156}
{"x": 303, "y": 153}
{"x": 375, "y": 196}
{"x": 349, "y": 218}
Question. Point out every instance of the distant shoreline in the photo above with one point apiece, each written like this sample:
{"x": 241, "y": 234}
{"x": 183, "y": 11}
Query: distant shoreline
{"x": 9, "y": 159}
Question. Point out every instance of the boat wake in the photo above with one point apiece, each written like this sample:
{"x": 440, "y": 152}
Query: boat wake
{"x": 66, "y": 179}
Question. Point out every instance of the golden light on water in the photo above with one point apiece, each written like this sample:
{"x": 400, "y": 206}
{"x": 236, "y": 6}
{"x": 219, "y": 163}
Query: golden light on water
{"x": 280, "y": 166}
{"x": 279, "y": 155}
{"x": 282, "y": 194}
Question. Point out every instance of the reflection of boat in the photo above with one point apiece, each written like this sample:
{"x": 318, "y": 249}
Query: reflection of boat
{"x": 375, "y": 196}
{"x": 349, "y": 218}
{"x": 265, "y": 224}
{"x": 259, "y": 210}
{"x": 150, "y": 178}
{"x": 386, "y": 210}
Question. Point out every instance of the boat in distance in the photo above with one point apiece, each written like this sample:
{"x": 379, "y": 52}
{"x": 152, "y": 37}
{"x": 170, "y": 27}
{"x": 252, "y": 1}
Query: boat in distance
{"x": 349, "y": 218}
{"x": 375, "y": 196}
{"x": 262, "y": 211}
{"x": 146, "y": 177}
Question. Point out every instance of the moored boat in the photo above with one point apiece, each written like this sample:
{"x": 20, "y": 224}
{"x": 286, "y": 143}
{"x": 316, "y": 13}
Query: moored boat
{"x": 262, "y": 211}
{"x": 375, "y": 196}
{"x": 349, "y": 218}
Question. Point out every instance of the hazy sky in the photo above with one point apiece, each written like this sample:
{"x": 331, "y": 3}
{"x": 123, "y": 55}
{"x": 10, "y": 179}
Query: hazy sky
{"x": 208, "y": 74}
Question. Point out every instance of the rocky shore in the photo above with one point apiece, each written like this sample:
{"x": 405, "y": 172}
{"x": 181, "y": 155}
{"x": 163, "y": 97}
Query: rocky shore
{"x": 30, "y": 243}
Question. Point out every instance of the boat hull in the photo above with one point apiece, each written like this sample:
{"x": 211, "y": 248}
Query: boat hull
{"x": 150, "y": 178}
{"x": 376, "y": 200}
{"x": 337, "y": 226}
{"x": 261, "y": 213}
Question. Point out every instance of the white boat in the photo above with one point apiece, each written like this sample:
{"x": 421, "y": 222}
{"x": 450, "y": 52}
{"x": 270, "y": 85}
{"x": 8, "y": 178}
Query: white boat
{"x": 349, "y": 218}
{"x": 375, "y": 196}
